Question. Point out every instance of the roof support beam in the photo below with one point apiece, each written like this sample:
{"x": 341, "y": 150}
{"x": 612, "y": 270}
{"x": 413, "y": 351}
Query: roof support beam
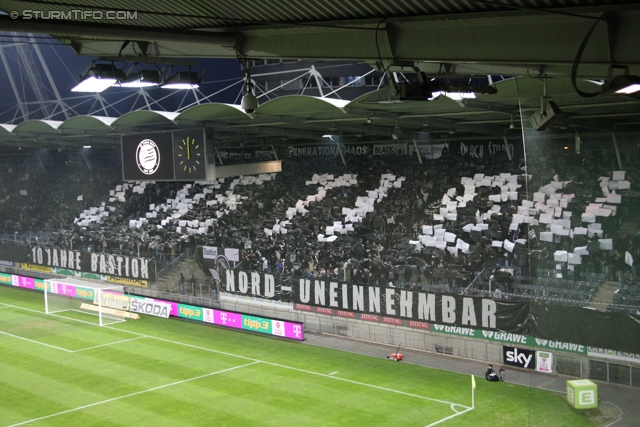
{"x": 544, "y": 44}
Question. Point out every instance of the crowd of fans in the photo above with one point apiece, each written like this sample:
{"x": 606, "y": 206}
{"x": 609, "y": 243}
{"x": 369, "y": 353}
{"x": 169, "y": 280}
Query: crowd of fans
{"x": 40, "y": 194}
{"x": 156, "y": 220}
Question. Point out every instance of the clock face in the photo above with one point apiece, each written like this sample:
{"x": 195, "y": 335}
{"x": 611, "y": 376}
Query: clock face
{"x": 190, "y": 157}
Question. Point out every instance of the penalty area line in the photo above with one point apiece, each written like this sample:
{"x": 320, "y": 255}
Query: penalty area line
{"x": 79, "y": 408}
{"x": 35, "y": 342}
{"x": 107, "y": 344}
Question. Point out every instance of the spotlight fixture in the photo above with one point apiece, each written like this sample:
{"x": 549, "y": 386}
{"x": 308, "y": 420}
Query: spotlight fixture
{"x": 98, "y": 77}
{"x": 456, "y": 96}
{"x": 490, "y": 106}
{"x": 397, "y": 132}
{"x": 182, "y": 80}
{"x": 622, "y": 85}
{"x": 429, "y": 90}
{"x": 142, "y": 78}
{"x": 511, "y": 125}
{"x": 548, "y": 113}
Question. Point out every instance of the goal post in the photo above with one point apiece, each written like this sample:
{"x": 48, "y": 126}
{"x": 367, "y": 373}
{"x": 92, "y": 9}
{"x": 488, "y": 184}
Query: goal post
{"x": 106, "y": 304}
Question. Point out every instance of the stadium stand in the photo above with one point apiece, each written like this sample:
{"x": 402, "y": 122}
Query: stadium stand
{"x": 452, "y": 224}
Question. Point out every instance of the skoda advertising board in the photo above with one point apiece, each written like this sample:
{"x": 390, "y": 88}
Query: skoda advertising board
{"x": 147, "y": 157}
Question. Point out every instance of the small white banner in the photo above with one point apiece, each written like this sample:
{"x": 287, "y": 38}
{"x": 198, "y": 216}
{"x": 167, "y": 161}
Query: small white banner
{"x": 544, "y": 361}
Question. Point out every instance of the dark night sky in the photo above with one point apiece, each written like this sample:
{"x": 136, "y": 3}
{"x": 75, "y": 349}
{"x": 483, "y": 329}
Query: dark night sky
{"x": 65, "y": 67}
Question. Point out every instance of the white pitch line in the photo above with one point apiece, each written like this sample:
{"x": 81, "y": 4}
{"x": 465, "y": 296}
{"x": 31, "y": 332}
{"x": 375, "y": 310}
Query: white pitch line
{"x": 295, "y": 369}
{"x": 62, "y": 317}
{"x": 467, "y": 408}
{"x": 79, "y": 408}
{"x": 35, "y": 342}
{"x": 107, "y": 344}
{"x": 69, "y": 318}
{"x": 364, "y": 384}
{"x": 451, "y": 416}
{"x": 333, "y": 373}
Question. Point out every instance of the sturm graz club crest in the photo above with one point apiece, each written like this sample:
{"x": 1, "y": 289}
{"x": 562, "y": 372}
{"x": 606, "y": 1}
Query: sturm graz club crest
{"x": 148, "y": 157}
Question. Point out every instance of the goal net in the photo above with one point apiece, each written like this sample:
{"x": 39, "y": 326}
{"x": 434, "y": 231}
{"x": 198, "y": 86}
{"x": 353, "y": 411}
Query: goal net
{"x": 104, "y": 304}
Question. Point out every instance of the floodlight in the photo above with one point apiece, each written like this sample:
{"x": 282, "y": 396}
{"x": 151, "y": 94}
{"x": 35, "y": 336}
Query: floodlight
{"x": 490, "y": 106}
{"x": 456, "y": 96}
{"x": 98, "y": 78}
{"x": 142, "y": 78}
{"x": 182, "y": 80}
{"x": 397, "y": 132}
{"x": 623, "y": 85}
{"x": 548, "y": 113}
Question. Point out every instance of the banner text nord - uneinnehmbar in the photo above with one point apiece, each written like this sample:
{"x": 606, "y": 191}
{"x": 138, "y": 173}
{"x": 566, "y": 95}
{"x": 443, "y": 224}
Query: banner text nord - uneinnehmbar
{"x": 484, "y": 313}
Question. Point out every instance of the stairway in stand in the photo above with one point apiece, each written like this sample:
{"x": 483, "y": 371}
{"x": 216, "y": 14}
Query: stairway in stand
{"x": 170, "y": 282}
{"x": 604, "y": 296}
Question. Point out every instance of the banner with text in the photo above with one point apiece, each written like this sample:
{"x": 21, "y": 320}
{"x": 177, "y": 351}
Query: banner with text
{"x": 390, "y": 149}
{"x": 481, "y": 313}
{"x": 45, "y": 259}
{"x": 328, "y": 150}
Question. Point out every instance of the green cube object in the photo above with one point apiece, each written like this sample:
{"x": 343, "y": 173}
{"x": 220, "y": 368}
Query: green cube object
{"x": 582, "y": 394}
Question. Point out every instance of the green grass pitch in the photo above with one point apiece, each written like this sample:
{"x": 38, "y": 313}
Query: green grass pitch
{"x": 56, "y": 371}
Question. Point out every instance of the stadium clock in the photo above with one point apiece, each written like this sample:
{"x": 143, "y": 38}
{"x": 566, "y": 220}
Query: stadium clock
{"x": 189, "y": 155}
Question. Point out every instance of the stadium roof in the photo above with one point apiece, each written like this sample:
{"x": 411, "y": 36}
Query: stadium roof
{"x": 498, "y": 37}
{"x": 300, "y": 120}
{"x": 444, "y": 39}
